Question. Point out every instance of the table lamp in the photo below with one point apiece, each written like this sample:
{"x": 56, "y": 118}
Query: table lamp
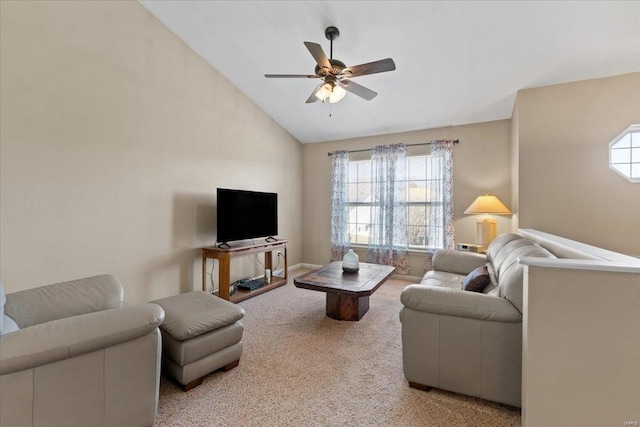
{"x": 486, "y": 226}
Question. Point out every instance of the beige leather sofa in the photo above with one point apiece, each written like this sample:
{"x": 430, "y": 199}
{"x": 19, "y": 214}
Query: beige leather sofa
{"x": 81, "y": 357}
{"x": 468, "y": 342}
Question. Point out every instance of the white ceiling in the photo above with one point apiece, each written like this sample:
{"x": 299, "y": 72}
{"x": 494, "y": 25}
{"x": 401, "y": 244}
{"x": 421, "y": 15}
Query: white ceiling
{"x": 457, "y": 62}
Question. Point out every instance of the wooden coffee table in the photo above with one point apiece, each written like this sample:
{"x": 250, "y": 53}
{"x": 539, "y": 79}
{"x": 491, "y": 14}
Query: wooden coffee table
{"x": 347, "y": 293}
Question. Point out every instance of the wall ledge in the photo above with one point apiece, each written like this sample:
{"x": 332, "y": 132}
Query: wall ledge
{"x": 581, "y": 264}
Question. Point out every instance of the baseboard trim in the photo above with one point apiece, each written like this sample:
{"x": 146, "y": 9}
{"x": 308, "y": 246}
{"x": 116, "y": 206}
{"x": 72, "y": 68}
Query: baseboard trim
{"x": 311, "y": 266}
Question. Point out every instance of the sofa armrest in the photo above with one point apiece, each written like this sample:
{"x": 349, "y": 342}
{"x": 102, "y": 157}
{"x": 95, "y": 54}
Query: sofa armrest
{"x": 459, "y": 303}
{"x": 457, "y": 261}
{"x": 46, "y": 303}
{"x": 72, "y": 336}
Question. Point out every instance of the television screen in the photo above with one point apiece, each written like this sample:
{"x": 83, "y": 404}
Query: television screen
{"x": 246, "y": 214}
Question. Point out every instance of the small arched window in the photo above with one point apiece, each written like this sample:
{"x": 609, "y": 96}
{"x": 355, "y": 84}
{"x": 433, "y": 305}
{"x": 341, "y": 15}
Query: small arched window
{"x": 624, "y": 153}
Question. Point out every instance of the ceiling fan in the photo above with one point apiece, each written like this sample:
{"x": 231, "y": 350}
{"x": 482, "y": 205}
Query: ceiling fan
{"x": 335, "y": 74}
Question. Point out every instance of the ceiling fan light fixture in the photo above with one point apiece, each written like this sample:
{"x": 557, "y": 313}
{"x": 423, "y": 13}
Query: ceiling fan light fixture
{"x": 337, "y": 94}
{"x": 324, "y": 92}
{"x": 330, "y": 92}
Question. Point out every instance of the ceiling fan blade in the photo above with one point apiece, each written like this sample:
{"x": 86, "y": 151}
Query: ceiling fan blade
{"x": 291, "y": 76}
{"x": 318, "y": 54}
{"x": 380, "y": 66}
{"x": 313, "y": 97}
{"x": 357, "y": 89}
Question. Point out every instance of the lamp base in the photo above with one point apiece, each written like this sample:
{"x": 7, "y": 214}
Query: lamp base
{"x": 486, "y": 230}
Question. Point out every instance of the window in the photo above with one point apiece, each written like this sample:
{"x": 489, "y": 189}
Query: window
{"x": 418, "y": 201}
{"x": 624, "y": 153}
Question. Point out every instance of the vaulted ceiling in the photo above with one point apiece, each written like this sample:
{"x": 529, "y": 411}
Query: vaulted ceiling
{"x": 457, "y": 62}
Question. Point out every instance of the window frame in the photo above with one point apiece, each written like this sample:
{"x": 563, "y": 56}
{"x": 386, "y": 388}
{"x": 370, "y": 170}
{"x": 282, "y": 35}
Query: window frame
{"x": 634, "y": 153}
{"x": 425, "y": 203}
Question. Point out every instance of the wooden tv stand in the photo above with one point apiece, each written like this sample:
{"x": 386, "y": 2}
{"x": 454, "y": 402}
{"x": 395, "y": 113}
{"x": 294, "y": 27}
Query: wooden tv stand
{"x": 224, "y": 256}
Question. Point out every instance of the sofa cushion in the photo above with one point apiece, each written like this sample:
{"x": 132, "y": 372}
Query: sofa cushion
{"x": 192, "y": 314}
{"x": 477, "y": 280}
{"x": 442, "y": 279}
{"x": 511, "y": 272}
{"x": 492, "y": 276}
{"x": 506, "y": 251}
{"x": 498, "y": 243}
{"x": 457, "y": 261}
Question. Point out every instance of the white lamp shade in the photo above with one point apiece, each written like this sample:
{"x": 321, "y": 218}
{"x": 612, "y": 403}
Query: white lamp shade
{"x": 486, "y": 226}
{"x": 487, "y": 205}
{"x": 337, "y": 94}
{"x": 323, "y": 92}
{"x": 330, "y": 92}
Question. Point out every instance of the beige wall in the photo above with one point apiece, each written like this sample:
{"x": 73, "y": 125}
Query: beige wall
{"x": 481, "y": 165}
{"x": 565, "y": 184}
{"x": 581, "y": 347}
{"x": 515, "y": 179}
{"x": 114, "y": 138}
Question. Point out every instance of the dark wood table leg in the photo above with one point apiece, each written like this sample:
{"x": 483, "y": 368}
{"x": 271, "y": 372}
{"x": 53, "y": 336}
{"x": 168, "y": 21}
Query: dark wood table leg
{"x": 346, "y": 307}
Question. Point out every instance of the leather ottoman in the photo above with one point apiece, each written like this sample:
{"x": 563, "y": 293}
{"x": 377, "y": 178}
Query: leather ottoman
{"x": 201, "y": 333}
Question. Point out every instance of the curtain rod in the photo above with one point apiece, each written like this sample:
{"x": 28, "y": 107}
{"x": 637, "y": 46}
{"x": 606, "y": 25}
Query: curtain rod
{"x": 455, "y": 141}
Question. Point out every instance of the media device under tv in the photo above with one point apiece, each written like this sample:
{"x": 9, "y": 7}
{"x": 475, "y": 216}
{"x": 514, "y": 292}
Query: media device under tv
{"x": 246, "y": 215}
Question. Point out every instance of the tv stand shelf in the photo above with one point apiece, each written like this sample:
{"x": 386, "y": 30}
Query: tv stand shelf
{"x": 224, "y": 256}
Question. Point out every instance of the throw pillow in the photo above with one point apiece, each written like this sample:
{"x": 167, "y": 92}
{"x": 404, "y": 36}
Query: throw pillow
{"x": 6, "y": 323}
{"x": 477, "y": 280}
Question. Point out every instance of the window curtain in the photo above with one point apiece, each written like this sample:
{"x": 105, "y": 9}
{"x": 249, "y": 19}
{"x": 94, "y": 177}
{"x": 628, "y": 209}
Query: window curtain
{"x": 388, "y": 241}
{"x": 339, "y": 207}
{"x": 439, "y": 231}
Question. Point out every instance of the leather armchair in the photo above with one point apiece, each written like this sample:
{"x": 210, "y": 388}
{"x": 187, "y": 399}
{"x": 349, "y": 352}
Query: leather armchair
{"x": 82, "y": 357}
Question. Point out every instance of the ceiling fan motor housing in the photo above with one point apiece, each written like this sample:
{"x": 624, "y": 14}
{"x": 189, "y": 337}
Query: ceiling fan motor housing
{"x": 337, "y": 67}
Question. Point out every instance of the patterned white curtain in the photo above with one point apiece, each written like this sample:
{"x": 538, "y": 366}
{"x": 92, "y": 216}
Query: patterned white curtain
{"x": 339, "y": 205}
{"x": 440, "y": 188}
{"x": 388, "y": 241}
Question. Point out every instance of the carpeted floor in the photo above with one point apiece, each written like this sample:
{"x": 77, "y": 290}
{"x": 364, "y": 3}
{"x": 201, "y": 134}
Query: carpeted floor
{"x": 302, "y": 368}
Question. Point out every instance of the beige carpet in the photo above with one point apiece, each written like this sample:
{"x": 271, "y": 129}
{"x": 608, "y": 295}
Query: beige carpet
{"x": 302, "y": 368}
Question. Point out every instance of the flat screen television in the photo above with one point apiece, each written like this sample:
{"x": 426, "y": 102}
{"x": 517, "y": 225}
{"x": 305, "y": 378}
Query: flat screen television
{"x": 246, "y": 215}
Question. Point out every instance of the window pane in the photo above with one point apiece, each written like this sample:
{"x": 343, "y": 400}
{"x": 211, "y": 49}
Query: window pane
{"x": 417, "y": 191}
{"x": 353, "y": 171}
{"x": 635, "y": 170}
{"x": 417, "y": 167}
{"x": 635, "y": 138}
{"x": 352, "y": 232}
{"x": 625, "y": 141}
{"x": 635, "y": 155}
{"x": 364, "y": 171}
{"x": 353, "y": 192}
{"x": 363, "y": 214}
{"x": 416, "y": 236}
{"x": 435, "y": 194}
{"x": 362, "y": 235}
{"x": 620, "y": 155}
{"x": 364, "y": 192}
{"x": 625, "y": 169}
{"x": 417, "y": 215}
